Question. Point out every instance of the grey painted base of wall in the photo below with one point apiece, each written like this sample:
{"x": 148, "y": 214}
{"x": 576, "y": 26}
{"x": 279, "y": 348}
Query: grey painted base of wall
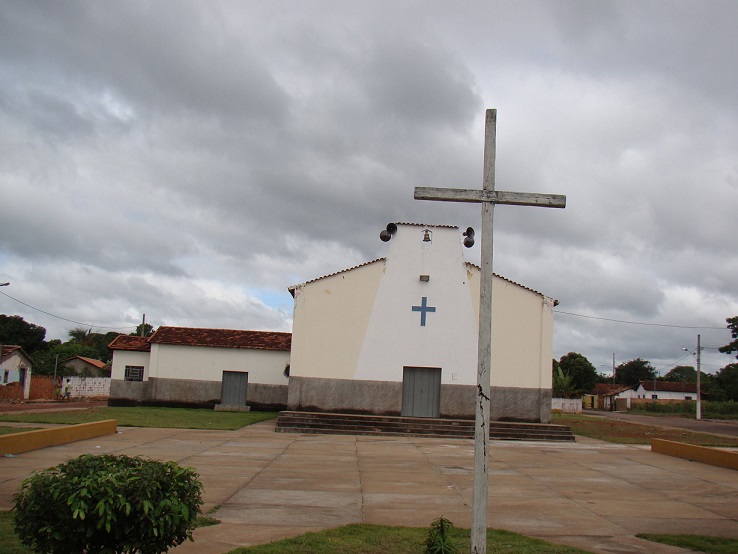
{"x": 385, "y": 398}
{"x": 188, "y": 392}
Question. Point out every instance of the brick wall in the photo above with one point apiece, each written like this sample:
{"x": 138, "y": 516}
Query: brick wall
{"x": 42, "y": 387}
{"x": 11, "y": 391}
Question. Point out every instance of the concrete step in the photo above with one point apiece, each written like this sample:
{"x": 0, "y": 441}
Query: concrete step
{"x": 361, "y": 424}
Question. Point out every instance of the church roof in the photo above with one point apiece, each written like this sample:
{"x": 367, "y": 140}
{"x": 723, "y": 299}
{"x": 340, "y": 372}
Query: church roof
{"x": 222, "y": 338}
{"x": 293, "y": 287}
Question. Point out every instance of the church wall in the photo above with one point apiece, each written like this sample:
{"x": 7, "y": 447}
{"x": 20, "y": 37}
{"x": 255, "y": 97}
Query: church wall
{"x": 522, "y": 335}
{"x": 344, "y": 395}
{"x": 385, "y": 398}
{"x": 330, "y": 320}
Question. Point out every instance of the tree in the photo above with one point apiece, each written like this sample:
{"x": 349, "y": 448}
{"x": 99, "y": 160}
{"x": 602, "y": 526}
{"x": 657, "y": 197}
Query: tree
{"x": 15, "y": 330}
{"x": 581, "y": 371}
{"x": 148, "y": 330}
{"x": 727, "y": 381}
{"x": 633, "y": 372}
{"x": 80, "y": 335}
{"x": 563, "y": 385}
{"x": 682, "y": 374}
{"x": 733, "y": 345}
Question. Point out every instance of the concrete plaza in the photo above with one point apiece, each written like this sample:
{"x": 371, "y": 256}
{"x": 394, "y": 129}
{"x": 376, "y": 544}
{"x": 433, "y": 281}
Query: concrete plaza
{"x": 590, "y": 494}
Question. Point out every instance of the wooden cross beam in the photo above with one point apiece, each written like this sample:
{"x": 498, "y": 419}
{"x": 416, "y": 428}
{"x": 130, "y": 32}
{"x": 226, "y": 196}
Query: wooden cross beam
{"x": 488, "y": 197}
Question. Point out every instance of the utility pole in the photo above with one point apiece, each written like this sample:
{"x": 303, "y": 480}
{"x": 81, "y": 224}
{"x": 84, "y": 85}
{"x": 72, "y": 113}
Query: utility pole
{"x": 699, "y": 388}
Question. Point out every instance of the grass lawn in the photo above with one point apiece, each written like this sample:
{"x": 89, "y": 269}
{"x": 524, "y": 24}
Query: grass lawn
{"x": 11, "y": 430}
{"x": 179, "y": 418}
{"x": 698, "y": 543}
{"x": 9, "y": 543}
{"x": 380, "y": 539}
{"x": 612, "y": 430}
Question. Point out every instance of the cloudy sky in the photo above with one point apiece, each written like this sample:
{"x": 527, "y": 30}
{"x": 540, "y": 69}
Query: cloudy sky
{"x": 191, "y": 160}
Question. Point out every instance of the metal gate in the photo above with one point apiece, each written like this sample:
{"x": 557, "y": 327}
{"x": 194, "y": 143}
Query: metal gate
{"x": 234, "y": 387}
{"x": 421, "y": 391}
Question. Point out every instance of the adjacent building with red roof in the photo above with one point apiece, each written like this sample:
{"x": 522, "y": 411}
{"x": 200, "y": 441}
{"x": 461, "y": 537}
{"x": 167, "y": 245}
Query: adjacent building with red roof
{"x": 201, "y": 367}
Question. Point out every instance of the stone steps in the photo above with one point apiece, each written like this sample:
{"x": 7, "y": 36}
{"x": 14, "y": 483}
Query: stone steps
{"x": 360, "y": 424}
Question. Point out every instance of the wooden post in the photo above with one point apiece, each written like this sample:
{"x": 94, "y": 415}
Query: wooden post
{"x": 488, "y": 197}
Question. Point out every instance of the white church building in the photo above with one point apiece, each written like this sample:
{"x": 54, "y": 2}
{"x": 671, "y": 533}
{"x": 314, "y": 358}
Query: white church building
{"x": 393, "y": 336}
{"x": 398, "y": 336}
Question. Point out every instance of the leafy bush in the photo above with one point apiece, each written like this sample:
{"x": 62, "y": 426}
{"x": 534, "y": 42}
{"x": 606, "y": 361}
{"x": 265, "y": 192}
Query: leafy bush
{"x": 439, "y": 541}
{"x": 108, "y": 504}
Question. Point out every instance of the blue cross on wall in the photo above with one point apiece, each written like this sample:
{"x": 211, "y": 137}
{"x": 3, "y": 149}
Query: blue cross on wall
{"x": 423, "y": 309}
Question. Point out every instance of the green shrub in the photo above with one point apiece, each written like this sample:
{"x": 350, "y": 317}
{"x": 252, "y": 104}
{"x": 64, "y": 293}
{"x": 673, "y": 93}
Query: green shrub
{"x": 439, "y": 541}
{"x": 108, "y": 504}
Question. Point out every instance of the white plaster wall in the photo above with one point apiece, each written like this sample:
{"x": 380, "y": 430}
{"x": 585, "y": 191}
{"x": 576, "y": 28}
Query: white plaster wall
{"x": 663, "y": 395}
{"x": 330, "y": 320}
{"x": 122, "y": 358}
{"x": 208, "y": 364}
{"x": 395, "y": 338}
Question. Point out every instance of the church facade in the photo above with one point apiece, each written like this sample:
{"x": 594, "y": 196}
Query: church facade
{"x": 398, "y": 336}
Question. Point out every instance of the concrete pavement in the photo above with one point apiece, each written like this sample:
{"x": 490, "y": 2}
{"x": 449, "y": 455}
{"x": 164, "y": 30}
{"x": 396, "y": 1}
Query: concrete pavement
{"x": 590, "y": 494}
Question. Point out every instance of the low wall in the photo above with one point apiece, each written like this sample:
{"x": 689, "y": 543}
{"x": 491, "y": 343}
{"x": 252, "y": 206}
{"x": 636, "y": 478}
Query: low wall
{"x": 42, "y": 387}
{"x": 567, "y": 405}
{"x": 41, "y": 438}
{"x": 703, "y": 454}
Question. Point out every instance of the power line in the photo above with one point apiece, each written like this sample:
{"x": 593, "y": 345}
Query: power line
{"x": 63, "y": 318}
{"x": 639, "y": 322}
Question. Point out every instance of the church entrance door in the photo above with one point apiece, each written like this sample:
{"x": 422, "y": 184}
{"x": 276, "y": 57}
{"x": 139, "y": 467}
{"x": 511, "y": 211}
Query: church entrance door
{"x": 421, "y": 391}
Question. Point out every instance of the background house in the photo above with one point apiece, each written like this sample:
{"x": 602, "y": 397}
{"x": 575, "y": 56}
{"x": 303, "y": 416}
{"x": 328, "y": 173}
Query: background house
{"x": 666, "y": 391}
{"x": 88, "y": 367}
{"x": 15, "y": 373}
{"x": 398, "y": 336}
{"x": 192, "y": 366}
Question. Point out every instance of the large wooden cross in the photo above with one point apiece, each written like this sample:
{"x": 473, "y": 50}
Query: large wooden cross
{"x": 488, "y": 197}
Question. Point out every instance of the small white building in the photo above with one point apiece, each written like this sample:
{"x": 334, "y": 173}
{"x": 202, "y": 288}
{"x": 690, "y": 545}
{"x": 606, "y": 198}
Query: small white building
{"x": 201, "y": 367}
{"x": 666, "y": 390}
{"x": 398, "y": 336}
{"x": 15, "y": 368}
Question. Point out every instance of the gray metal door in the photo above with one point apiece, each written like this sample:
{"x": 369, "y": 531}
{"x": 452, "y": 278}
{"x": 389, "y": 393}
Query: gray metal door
{"x": 234, "y": 388}
{"x": 421, "y": 391}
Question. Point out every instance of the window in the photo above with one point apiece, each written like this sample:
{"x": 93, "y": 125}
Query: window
{"x": 654, "y": 397}
{"x": 134, "y": 373}
{"x": 687, "y": 397}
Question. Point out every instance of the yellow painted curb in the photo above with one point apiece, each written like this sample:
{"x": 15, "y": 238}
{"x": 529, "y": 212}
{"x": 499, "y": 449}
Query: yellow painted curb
{"x": 703, "y": 454}
{"x": 41, "y": 438}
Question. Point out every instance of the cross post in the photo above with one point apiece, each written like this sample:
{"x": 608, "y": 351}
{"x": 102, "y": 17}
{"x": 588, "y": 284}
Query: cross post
{"x": 488, "y": 197}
